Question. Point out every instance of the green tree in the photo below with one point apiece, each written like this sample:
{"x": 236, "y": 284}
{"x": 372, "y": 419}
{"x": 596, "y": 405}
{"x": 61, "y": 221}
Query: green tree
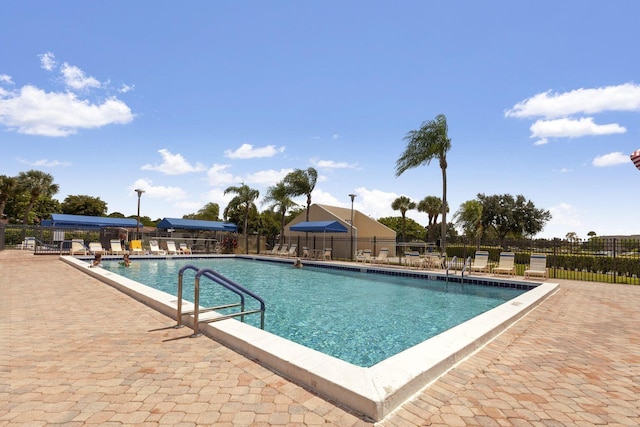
{"x": 301, "y": 182}
{"x": 403, "y": 204}
{"x": 508, "y": 215}
{"x": 278, "y": 201}
{"x": 209, "y": 212}
{"x": 432, "y": 206}
{"x": 243, "y": 201}
{"x": 469, "y": 219}
{"x": 414, "y": 230}
{"x": 8, "y": 187}
{"x": 84, "y": 205}
{"x": 36, "y": 184}
{"x": 429, "y": 142}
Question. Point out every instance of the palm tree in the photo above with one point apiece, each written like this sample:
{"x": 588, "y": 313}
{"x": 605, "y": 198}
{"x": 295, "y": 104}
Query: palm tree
{"x": 429, "y": 142}
{"x": 403, "y": 204}
{"x": 469, "y": 218}
{"x": 301, "y": 182}
{"x": 278, "y": 199}
{"x": 7, "y": 189}
{"x": 432, "y": 206}
{"x": 37, "y": 184}
{"x": 244, "y": 200}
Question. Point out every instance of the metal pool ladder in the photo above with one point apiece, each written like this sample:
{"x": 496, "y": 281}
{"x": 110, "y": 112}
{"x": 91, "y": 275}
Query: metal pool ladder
{"x": 222, "y": 281}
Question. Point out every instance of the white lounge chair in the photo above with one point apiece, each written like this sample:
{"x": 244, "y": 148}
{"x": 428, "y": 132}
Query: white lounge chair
{"x": 284, "y": 250}
{"x": 96, "y": 248}
{"x": 78, "y": 247}
{"x": 154, "y": 248}
{"x": 185, "y": 249}
{"x": 480, "y": 262}
{"x": 274, "y": 250}
{"x": 326, "y": 255}
{"x": 29, "y": 243}
{"x": 537, "y": 267}
{"x": 413, "y": 260}
{"x": 364, "y": 256}
{"x": 116, "y": 247}
{"x": 293, "y": 251}
{"x": 506, "y": 264}
{"x": 382, "y": 258}
{"x": 171, "y": 247}
{"x": 305, "y": 252}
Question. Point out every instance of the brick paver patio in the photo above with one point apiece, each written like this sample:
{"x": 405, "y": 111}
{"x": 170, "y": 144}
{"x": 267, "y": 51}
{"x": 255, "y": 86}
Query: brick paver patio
{"x": 74, "y": 351}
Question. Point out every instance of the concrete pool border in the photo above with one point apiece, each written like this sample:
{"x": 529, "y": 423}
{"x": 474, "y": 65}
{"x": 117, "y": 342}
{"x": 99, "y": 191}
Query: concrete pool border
{"x": 373, "y": 392}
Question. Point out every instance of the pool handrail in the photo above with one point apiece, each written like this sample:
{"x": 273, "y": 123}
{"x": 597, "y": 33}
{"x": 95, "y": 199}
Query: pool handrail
{"x": 226, "y": 283}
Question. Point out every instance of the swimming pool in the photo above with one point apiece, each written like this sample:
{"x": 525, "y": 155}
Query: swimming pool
{"x": 359, "y": 318}
{"x": 372, "y": 392}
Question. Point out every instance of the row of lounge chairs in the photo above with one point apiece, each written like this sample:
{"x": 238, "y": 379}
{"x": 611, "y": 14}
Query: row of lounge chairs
{"x": 506, "y": 265}
{"x": 292, "y": 252}
{"x": 135, "y": 248}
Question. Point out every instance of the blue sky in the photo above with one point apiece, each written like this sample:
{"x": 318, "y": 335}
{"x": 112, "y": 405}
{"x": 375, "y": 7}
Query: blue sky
{"x": 184, "y": 99}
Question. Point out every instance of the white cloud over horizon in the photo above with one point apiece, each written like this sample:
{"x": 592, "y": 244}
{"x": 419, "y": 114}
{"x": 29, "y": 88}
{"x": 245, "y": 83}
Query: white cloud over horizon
{"x": 174, "y": 164}
{"x": 247, "y": 151}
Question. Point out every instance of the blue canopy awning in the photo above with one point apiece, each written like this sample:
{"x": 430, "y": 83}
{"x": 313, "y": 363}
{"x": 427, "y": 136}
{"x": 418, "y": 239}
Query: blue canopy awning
{"x": 319, "y": 227}
{"x": 85, "y": 221}
{"x": 196, "y": 224}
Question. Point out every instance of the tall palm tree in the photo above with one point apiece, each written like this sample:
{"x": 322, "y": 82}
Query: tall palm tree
{"x": 432, "y": 206}
{"x": 244, "y": 199}
{"x": 429, "y": 142}
{"x": 7, "y": 189}
{"x": 301, "y": 182}
{"x": 278, "y": 200}
{"x": 403, "y": 204}
{"x": 37, "y": 184}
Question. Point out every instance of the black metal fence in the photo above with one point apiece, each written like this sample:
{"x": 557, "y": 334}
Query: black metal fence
{"x": 608, "y": 260}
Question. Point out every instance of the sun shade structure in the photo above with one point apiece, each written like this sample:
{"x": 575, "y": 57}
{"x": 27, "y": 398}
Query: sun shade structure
{"x": 196, "y": 224}
{"x": 319, "y": 227}
{"x": 84, "y": 221}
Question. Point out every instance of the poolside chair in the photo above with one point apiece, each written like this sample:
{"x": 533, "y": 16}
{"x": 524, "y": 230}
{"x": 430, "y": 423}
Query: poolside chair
{"x": 284, "y": 250}
{"x": 365, "y": 256}
{"x": 185, "y": 249}
{"x": 274, "y": 250}
{"x": 305, "y": 252}
{"x": 383, "y": 257}
{"x": 78, "y": 247}
{"x": 171, "y": 247}
{"x": 293, "y": 251}
{"x": 96, "y": 248}
{"x": 116, "y": 247}
{"x": 135, "y": 247}
{"x": 480, "y": 262}
{"x": 154, "y": 248}
{"x": 537, "y": 267}
{"x": 506, "y": 265}
{"x": 413, "y": 259}
{"x": 326, "y": 255}
{"x": 29, "y": 243}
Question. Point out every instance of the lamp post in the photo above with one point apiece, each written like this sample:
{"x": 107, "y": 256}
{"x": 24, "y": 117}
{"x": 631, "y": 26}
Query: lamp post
{"x": 353, "y": 196}
{"x": 139, "y": 191}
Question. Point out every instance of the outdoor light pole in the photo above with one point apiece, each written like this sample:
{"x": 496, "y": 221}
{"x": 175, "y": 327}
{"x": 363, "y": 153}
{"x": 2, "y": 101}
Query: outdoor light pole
{"x": 139, "y": 191}
{"x": 353, "y": 196}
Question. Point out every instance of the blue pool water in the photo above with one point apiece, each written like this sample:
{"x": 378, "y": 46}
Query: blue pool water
{"x": 357, "y": 317}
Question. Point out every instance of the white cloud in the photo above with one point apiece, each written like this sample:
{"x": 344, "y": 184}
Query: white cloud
{"x": 267, "y": 177}
{"x": 126, "y": 88}
{"x": 33, "y": 111}
{"x": 218, "y": 176}
{"x": 246, "y": 151}
{"x": 611, "y": 159}
{"x": 174, "y": 164}
{"x": 571, "y": 128}
{"x": 330, "y": 164}
{"x": 158, "y": 191}
{"x": 44, "y": 163}
{"x": 564, "y": 217}
{"x": 75, "y": 78}
{"x": 47, "y": 61}
{"x": 625, "y": 97}
{"x": 6, "y": 79}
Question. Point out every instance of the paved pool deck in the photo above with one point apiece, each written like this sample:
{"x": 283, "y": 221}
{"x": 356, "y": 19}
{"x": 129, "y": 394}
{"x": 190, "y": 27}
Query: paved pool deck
{"x": 75, "y": 351}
